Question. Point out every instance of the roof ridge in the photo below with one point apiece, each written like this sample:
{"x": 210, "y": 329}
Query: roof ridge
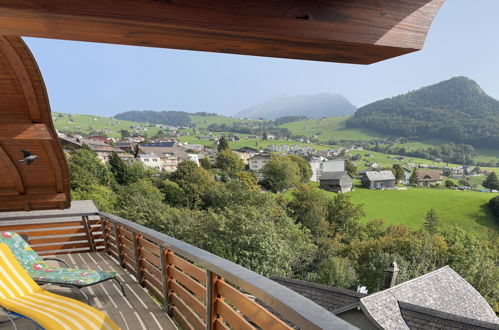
{"x": 446, "y": 315}
{"x": 410, "y": 281}
{"x": 319, "y": 286}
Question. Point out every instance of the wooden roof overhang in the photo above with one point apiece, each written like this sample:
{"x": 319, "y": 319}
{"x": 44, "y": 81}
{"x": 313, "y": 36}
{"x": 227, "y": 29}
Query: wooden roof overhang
{"x": 349, "y": 31}
{"x": 26, "y": 124}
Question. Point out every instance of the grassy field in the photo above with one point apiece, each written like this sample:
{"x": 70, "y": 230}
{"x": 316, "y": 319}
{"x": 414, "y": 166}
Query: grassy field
{"x": 330, "y": 128}
{"x": 205, "y": 121}
{"x": 466, "y": 209}
{"x": 84, "y": 124}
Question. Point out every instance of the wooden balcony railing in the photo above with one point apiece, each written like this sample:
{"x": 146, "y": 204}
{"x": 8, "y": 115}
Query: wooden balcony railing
{"x": 198, "y": 289}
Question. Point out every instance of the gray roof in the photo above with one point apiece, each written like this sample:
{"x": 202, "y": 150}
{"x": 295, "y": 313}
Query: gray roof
{"x": 380, "y": 176}
{"x": 422, "y": 318}
{"x": 443, "y": 290}
{"x": 331, "y": 298}
{"x": 335, "y": 175}
{"x": 161, "y": 151}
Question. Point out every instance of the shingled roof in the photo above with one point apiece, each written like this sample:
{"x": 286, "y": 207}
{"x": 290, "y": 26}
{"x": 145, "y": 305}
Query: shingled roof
{"x": 333, "y": 175}
{"x": 430, "y": 175}
{"x": 442, "y": 290}
{"x": 161, "y": 151}
{"x": 380, "y": 175}
{"x": 331, "y": 298}
{"x": 422, "y": 318}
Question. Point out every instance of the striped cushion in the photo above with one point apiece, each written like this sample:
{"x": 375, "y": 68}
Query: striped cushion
{"x": 42, "y": 273}
{"x": 20, "y": 294}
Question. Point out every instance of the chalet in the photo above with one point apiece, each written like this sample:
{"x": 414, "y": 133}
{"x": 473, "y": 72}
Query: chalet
{"x": 103, "y": 150}
{"x": 378, "y": 180}
{"x": 441, "y": 299}
{"x": 338, "y": 181}
{"x": 429, "y": 178}
{"x": 258, "y": 162}
{"x": 169, "y": 157}
{"x": 321, "y": 165}
{"x": 245, "y": 153}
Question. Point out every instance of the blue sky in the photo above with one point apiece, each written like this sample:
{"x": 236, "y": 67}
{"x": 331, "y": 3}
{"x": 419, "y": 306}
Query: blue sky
{"x": 106, "y": 79}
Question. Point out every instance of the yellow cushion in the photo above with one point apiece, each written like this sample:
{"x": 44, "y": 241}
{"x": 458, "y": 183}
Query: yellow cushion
{"x": 20, "y": 294}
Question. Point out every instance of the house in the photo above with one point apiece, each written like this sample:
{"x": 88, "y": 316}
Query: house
{"x": 429, "y": 178}
{"x": 378, "y": 180}
{"x": 127, "y": 146}
{"x": 321, "y": 165}
{"x": 338, "y": 181}
{"x": 103, "y": 150}
{"x": 258, "y": 162}
{"x": 441, "y": 299}
{"x": 250, "y": 151}
{"x": 169, "y": 157}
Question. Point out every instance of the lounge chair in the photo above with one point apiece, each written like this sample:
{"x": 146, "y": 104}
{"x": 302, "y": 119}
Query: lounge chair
{"x": 41, "y": 273}
{"x": 21, "y": 296}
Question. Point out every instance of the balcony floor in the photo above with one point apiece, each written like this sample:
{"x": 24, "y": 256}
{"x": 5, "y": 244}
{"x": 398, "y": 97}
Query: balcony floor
{"x": 135, "y": 311}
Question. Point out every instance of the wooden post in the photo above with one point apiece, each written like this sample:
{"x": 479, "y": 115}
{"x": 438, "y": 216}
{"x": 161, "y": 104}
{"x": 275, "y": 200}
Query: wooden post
{"x": 137, "y": 257}
{"x": 89, "y": 233}
{"x": 164, "y": 279}
{"x": 169, "y": 276}
{"x": 211, "y": 297}
{"x": 118, "y": 245}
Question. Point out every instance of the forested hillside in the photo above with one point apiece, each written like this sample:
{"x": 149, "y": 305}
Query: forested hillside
{"x": 456, "y": 110}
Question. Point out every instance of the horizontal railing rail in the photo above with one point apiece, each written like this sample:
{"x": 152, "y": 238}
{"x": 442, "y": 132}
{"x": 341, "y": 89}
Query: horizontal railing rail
{"x": 199, "y": 289}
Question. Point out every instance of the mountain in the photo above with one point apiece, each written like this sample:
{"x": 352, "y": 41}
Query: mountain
{"x": 457, "y": 110}
{"x": 173, "y": 118}
{"x": 314, "y": 106}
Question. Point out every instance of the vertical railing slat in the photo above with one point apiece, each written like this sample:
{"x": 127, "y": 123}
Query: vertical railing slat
{"x": 89, "y": 233}
{"x": 137, "y": 258}
{"x": 118, "y": 245}
{"x": 164, "y": 279}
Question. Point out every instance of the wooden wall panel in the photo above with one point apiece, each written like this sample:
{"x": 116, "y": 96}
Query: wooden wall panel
{"x": 26, "y": 124}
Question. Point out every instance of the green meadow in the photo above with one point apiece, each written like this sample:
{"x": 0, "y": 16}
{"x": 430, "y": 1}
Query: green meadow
{"x": 466, "y": 209}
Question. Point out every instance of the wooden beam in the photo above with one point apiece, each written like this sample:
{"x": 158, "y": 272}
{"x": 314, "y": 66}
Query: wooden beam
{"x": 24, "y": 131}
{"x": 354, "y": 31}
{"x": 4, "y": 156}
{"x": 47, "y": 198}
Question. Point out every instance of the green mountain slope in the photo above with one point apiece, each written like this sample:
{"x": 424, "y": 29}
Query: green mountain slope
{"x": 456, "y": 110}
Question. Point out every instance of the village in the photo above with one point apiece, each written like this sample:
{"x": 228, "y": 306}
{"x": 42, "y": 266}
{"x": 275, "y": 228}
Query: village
{"x": 329, "y": 167}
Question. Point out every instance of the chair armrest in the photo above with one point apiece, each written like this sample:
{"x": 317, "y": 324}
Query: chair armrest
{"x": 59, "y": 260}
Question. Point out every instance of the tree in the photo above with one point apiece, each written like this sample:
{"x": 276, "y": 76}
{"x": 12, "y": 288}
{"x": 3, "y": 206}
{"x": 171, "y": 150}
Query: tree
{"x": 87, "y": 170}
{"x": 350, "y": 168}
{"x": 335, "y": 271}
{"x": 159, "y": 135}
{"x": 449, "y": 184}
{"x": 249, "y": 178}
{"x": 229, "y": 163}
{"x": 304, "y": 166}
{"x": 195, "y": 181}
{"x": 414, "y": 177}
{"x": 281, "y": 173}
{"x": 310, "y": 207}
{"x": 205, "y": 163}
{"x": 223, "y": 144}
{"x": 140, "y": 202}
{"x": 173, "y": 194}
{"x": 494, "y": 206}
{"x": 124, "y": 133}
{"x": 491, "y": 182}
{"x": 118, "y": 168}
{"x": 398, "y": 172}
{"x": 431, "y": 222}
{"x": 104, "y": 197}
{"x": 344, "y": 216}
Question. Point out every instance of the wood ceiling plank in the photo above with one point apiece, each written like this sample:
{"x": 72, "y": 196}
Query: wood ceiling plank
{"x": 24, "y": 131}
{"x": 355, "y": 31}
{"x": 14, "y": 172}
